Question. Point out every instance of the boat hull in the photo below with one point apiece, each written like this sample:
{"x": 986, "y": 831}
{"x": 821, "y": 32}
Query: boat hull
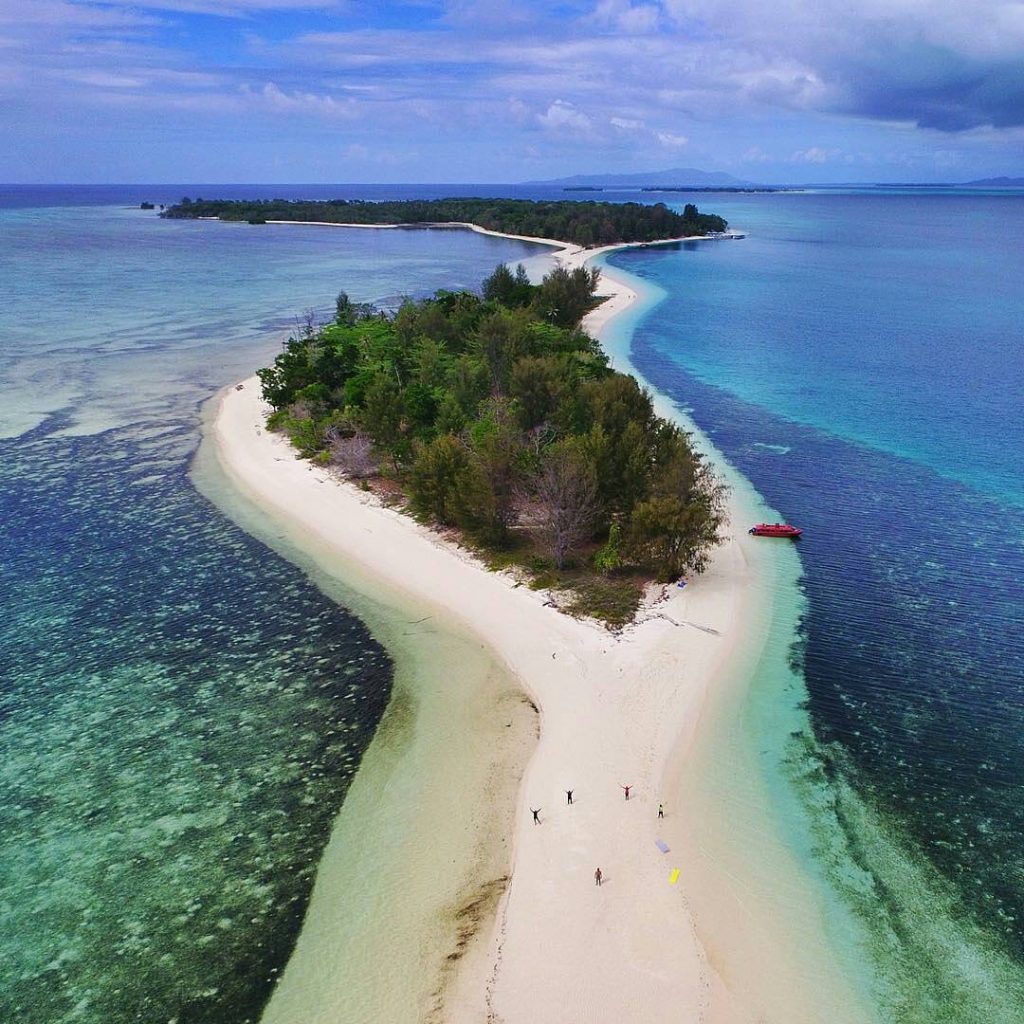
{"x": 775, "y": 530}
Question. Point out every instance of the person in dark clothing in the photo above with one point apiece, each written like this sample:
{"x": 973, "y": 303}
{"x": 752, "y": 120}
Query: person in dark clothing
{"x": 568, "y": 796}
{"x": 597, "y": 877}
{"x": 536, "y": 816}
{"x": 626, "y": 789}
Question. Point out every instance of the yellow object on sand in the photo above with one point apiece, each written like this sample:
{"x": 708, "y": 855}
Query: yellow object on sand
{"x": 674, "y": 877}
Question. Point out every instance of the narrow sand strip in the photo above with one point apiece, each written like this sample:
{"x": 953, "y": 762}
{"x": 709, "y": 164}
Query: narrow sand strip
{"x": 613, "y": 710}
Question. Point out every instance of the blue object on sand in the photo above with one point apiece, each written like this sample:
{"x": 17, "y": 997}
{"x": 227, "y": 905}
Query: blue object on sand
{"x": 661, "y": 845}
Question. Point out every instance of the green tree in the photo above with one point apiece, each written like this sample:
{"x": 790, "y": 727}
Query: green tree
{"x": 658, "y": 529}
{"x": 451, "y": 418}
{"x": 292, "y": 371}
{"x": 608, "y": 557}
{"x": 382, "y": 413}
{"x": 436, "y": 478}
{"x": 495, "y": 416}
{"x": 508, "y": 289}
{"x": 344, "y": 311}
{"x": 585, "y": 223}
{"x": 420, "y": 406}
{"x": 675, "y": 529}
{"x": 500, "y": 339}
{"x": 469, "y": 384}
{"x": 566, "y": 296}
{"x": 537, "y": 384}
{"x": 498, "y": 455}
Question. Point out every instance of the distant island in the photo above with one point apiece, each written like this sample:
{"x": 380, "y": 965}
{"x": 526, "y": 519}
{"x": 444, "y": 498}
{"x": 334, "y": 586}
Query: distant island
{"x": 713, "y": 188}
{"x": 583, "y": 223}
{"x": 1002, "y": 182}
{"x": 692, "y": 176}
{"x": 497, "y": 416}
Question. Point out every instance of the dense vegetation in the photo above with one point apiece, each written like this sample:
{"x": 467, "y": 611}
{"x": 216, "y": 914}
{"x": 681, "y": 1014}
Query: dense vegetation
{"x": 498, "y": 416}
{"x": 584, "y": 223}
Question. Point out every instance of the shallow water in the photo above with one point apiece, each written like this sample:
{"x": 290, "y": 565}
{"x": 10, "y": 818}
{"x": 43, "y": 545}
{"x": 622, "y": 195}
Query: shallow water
{"x": 425, "y": 829}
{"x": 867, "y": 382}
{"x": 181, "y": 710}
{"x": 181, "y": 716}
{"x": 755, "y": 883}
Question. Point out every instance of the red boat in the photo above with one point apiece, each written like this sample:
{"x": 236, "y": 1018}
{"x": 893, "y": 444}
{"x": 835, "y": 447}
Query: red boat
{"x": 775, "y": 530}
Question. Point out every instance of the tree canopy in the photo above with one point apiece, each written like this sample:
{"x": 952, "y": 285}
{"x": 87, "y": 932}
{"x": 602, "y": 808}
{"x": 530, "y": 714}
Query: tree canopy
{"x": 497, "y": 415}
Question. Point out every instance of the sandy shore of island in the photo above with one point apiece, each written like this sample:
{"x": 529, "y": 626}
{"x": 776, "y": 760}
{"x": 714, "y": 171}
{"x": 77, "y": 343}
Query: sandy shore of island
{"x": 612, "y": 709}
{"x": 541, "y": 942}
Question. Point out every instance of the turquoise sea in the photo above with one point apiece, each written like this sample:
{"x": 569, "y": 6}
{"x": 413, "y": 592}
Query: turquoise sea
{"x": 181, "y": 710}
{"x": 859, "y": 357}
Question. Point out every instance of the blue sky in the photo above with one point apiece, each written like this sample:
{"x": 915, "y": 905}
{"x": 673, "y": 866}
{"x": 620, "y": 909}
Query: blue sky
{"x": 462, "y": 91}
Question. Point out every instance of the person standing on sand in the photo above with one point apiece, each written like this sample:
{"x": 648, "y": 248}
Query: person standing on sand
{"x": 597, "y": 877}
{"x": 568, "y": 796}
{"x": 661, "y": 810}
{"x": 536, "y": 816}
{"x": 626, "y": 789}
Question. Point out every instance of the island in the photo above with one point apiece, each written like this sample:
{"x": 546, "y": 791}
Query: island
{"x": 1001, "y": 182}
{"x": 737, "y": 189}
{"x": 497, "y": 416}
{"x": 581, "y": 222}
{"x": 459, "y": 409}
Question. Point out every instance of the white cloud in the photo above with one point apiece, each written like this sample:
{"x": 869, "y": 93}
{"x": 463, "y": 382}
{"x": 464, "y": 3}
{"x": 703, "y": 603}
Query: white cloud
{"x": 518, "y": 111}
{"x": 561, "y": 115}
{"x": 278, "y": 100}
{"x": 815, "y": 155}
{"x": 672, "y": 141}
{"x": 944, "y": 64}
{"x": 225, "y": 8}
{"x": 106, "y": 80}
{"x": 727, "y": 77}
{"x": 623, "y": 16}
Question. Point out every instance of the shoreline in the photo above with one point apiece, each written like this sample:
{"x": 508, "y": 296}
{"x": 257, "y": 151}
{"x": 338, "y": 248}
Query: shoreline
{"x": 575, "y": 673}
{"x": 389, "y": 887}
{"x": 613, "y": 709}
{"x": 765, "y": 916}
{"x": 566, "y": 251}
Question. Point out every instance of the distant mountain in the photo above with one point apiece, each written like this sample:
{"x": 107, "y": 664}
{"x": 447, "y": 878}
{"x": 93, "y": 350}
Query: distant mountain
{"x": 997, "y": 182}
{"x": 673, "y": 176}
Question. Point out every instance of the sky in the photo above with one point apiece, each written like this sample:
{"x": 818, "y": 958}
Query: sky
{"x": 489, "y": 91}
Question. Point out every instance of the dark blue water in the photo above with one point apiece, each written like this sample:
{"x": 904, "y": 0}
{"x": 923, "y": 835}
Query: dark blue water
{"x": 859, "y": 359}
{"x": 181, "y": 711}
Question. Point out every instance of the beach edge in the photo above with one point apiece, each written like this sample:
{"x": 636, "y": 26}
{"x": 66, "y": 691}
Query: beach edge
{"x": 271, "y": 468}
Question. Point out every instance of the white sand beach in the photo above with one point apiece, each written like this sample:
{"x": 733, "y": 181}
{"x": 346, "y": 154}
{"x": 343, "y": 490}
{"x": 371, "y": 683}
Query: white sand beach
{"x": 611, "y": 711}
{"x": 549, "y": 945}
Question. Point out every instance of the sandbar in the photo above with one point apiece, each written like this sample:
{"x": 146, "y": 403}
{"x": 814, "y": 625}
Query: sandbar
{"x": 614, "y": 710}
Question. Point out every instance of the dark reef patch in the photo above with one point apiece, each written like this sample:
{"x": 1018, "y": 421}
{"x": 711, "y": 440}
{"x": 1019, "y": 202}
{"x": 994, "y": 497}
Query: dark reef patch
{"x": 181, "y": 714}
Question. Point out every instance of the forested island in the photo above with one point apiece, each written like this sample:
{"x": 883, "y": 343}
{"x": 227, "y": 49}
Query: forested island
{"x": 497, "y": 417}
{"x": 580, "y": 222}
{"x": 739, "y": 189}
